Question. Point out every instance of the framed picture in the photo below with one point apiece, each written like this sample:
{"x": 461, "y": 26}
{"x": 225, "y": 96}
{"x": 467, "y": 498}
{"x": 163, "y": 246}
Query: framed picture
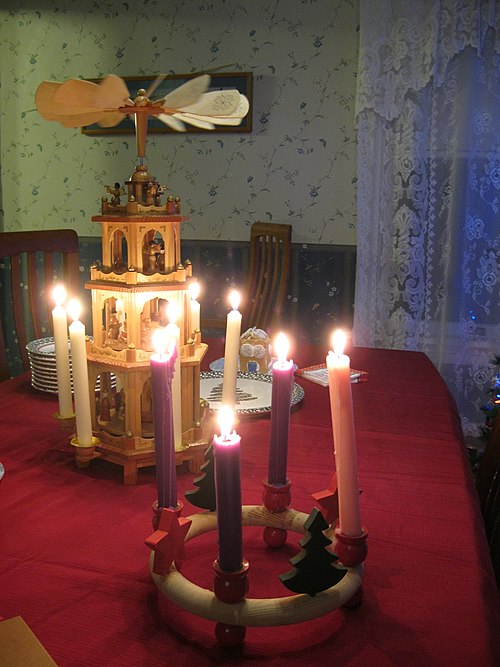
{"x": 242, "y": 81}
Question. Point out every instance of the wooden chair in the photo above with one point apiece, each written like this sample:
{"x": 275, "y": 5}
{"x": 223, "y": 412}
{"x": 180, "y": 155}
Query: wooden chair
{"x": 268, "y": 275}
{"x": 494, "y": 539}
{"x": 488, "y": 487}
{"x": 32, "y": 262}
{"x": 488, "y": 473}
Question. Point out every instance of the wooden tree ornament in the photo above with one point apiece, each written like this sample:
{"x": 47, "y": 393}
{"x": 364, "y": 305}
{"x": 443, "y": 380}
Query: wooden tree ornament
{"x": 313, "y": 569}
{"x": 204, "y": 495}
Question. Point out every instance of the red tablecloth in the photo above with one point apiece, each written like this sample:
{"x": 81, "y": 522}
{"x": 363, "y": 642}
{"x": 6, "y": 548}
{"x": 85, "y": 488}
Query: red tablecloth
{"x": 75, "y": 567}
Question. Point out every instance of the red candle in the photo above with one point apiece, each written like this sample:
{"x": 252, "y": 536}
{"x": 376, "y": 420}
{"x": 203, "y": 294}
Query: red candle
{"x": 162, "y": 372}
{"x": 281, "y": 400}
{"x": 344, "y": 440}
{"x": 228, "y": 493}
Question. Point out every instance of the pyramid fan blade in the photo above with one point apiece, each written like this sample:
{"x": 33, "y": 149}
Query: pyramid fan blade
{"x": 215, "y": 103}
{"x": 155, "y": 84}
{"x": 171, "y": 122}
{"x": 215, "y": 120}
{"x": 196, "y": 122}
{"x": 79, "y": 120}
{"x": 110, "y": 119}
{"x": 112, "y": 93}
{"x": 77, "y": 93}
{"x": 188, "y": 93}
{"x": 50, "y": 109}
{"x": 243, "y": 107}
{"x": 44, "y": 99}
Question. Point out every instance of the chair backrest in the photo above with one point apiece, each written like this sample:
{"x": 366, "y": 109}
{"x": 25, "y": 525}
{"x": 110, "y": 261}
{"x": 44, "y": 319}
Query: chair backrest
{"x": 494, "y": 539}
{"x": 488, "y": 473}
{"x": 268, "y": 274}
{"x": 32, "y": 262}
{"x": 488, "y": 487}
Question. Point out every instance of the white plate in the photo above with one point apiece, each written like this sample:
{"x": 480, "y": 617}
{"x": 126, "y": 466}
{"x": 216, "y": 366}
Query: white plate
{"x": 43, "y": 347}
{"x": 253, "y": 392}
{"x": 42, "y": 358}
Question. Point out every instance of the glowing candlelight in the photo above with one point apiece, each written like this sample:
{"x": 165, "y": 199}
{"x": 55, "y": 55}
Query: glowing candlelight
{"x": 228, "y": 493}
{"x": 162, "y": 364}
{"x": 281, "y": 400}
{"x": 281, "y": 347}
{"x": 232, "y": 351}
{"x": 60, "y": 326}
{"x": 173, "y": 332}
{"x": 80, "y": 376}
{"x": 344, "y": 441}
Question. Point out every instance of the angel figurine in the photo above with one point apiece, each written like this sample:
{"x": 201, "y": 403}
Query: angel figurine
{"x": 115, "y": 193}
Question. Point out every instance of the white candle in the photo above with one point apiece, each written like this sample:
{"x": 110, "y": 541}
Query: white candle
{"x": 60, "y": 326}
{"x": 174, "y": 333}
{"x": 232, "y": 351}
{"x": 344, "y": 441}
{"x": 80, "y": 376}
{"x": 194, "y": 292}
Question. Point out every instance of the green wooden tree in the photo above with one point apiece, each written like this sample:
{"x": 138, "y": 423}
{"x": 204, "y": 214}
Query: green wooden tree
{"x": 313, "y": 568}
{"x": 204, "y": 495}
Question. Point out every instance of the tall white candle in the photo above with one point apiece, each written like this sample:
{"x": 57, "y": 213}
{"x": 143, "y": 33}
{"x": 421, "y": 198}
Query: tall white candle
{"x": 194, "y": 292}
{"x": 232, "y": 351}
{"x": 174, "y": 333}
{"x": 80, "y": 376}
{"x": 60, "y": 326}
{"x": 344, "y": 441}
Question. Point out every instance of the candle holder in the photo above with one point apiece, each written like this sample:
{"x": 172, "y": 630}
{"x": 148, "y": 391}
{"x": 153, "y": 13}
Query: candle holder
{"x": 256, "y": 612}
{"x": 158, "y": 510}
{"x": 351, "y": 550}
{"x": 276, "y": 498}
{"x": 167, "y": 541}
{"x": 85, "y": 453}
{"x": 65, "y": 423}
{"x": 230, "y": 588}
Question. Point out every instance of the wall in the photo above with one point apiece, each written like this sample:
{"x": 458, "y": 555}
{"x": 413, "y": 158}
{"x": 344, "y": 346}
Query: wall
{"x": 297, "y": 166}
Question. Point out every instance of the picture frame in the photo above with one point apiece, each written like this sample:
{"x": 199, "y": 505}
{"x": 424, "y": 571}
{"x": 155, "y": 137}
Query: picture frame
{"x": 242, "y": 81}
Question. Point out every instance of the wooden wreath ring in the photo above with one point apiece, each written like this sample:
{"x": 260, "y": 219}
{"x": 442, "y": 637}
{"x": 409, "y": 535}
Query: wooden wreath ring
{"x": 257, "y": 612}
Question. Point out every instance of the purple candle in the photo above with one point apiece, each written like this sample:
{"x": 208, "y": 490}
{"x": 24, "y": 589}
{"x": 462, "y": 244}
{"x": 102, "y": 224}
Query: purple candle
{"x": 228, "y": 493}
{"x": 281, "y": 400}
{"x": 162, "y": 372}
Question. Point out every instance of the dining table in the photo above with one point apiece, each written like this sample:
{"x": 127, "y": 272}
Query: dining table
{"x": 76, "y": 568}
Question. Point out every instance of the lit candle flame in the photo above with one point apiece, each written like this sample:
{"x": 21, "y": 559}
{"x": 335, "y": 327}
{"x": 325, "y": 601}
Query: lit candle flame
{"x": 59, "y": 295}
{"x": 74, "y": 309}
{"x": 194, "y": 290}
{"x": 172, "y": 312}
{"x": 281, "y": 347}
{"x": 225, "y": 419}
{"x": 234, "y": 299}
{"x": 160, "y": 341}
{"x": 338, "y": 341}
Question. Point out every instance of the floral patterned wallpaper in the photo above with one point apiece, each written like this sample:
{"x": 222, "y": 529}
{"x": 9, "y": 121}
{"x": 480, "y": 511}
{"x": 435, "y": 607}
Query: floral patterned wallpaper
{"x": 297, "y": 166}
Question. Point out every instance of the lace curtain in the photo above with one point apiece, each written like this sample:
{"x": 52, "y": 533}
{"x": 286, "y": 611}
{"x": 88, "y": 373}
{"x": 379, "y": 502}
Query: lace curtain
{"x": 428, "y": 112}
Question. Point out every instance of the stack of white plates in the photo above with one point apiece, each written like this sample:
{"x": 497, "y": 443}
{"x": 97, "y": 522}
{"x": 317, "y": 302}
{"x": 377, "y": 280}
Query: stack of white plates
{"x": 42, "y": 358}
